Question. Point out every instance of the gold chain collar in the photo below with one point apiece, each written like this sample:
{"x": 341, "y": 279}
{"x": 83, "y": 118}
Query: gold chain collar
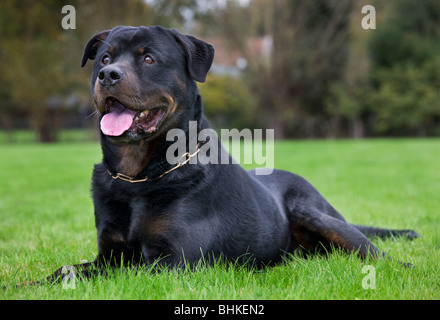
{"x": 187, "y": 156}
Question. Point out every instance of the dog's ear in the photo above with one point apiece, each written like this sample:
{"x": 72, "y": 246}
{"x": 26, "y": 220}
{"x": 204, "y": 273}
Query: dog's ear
{"x": 92, "y": 46}
{"x": 199, "y": 55}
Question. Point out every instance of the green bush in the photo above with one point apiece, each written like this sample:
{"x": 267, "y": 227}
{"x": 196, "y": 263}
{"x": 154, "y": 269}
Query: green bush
{"x": 227, "y": 102}
{"x": 407, "y": 99}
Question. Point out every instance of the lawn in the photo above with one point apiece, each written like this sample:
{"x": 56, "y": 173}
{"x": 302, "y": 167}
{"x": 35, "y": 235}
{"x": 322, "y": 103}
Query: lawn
{"x": 47, "y": 221}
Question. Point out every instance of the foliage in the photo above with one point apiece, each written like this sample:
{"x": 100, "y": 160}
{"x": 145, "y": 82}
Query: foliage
{"x": 227, "y": 101}
{"x": 308, "y": 40}
{"x": 30, "y": 47}
{"x": 405, "y": 73}
{"x": 409, "y": 33}
{"x": 407, "y": 99}
{"x": 322, "y": 75}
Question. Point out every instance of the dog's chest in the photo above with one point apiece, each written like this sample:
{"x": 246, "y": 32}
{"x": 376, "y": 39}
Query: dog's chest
{"x": 150, "y": 222}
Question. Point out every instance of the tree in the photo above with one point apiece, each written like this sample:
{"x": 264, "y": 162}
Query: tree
{"x": 30, "y": 48}
{"x": 308, "y": 52}
{"x": 348, "y": 100}
{"x": 40, "y": 60}
{"x": 228, "y": 102}
{"x": 405, "y": 77}
{"x": 407, "y": 100}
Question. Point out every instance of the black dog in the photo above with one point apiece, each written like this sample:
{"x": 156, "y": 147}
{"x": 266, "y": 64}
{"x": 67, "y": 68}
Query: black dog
{"x": 146, "y": 209}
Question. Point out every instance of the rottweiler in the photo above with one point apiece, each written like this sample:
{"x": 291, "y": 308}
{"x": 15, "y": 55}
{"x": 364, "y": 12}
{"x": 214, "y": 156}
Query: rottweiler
{"x": 148, "y": 210}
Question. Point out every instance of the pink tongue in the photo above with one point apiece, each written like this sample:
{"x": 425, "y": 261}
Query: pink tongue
{"x": 118, "y": 120}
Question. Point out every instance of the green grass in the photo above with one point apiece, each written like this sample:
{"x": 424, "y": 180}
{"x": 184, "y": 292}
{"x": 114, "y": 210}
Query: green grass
{"x": 46, "y": 221}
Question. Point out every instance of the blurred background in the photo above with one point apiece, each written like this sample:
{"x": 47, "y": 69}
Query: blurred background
{"x": 305, "y": 68}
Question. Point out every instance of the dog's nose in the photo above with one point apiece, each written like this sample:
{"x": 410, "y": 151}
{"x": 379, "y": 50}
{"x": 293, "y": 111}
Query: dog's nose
{"x": 110, "y": 75}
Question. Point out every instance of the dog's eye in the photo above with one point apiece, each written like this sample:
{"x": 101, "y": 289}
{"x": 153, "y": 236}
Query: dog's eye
{"x": 106, "y": 60}
{"x": 148, "y": 60}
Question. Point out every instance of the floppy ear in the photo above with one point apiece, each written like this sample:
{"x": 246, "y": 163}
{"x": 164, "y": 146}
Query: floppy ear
{"x": 92, "y": 46}
{"x": 199, "y": 55}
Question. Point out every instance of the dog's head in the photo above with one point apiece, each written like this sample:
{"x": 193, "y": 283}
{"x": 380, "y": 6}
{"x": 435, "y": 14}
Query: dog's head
{"x": 143, "y": 79}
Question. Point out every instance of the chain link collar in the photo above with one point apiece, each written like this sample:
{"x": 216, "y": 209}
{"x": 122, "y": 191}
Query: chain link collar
{"x": 184, "y": 159}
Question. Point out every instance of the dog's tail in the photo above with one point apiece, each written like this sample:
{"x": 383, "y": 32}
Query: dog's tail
{"x": 373, "y": 232}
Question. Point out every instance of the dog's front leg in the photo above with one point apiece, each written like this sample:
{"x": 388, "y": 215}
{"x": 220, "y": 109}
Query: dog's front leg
{"x": 83, "y": 270}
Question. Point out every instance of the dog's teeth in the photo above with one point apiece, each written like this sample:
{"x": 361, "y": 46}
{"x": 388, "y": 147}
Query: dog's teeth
{"x": 143, "y": 113}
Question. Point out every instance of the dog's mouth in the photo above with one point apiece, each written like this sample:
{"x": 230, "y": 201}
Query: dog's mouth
{"x": 118, "y": 119}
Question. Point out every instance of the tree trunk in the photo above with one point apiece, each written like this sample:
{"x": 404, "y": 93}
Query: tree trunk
{"x": 277, "y": 122}
{"x": 357, "y": 128}
{"x": 46, "y": 123}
